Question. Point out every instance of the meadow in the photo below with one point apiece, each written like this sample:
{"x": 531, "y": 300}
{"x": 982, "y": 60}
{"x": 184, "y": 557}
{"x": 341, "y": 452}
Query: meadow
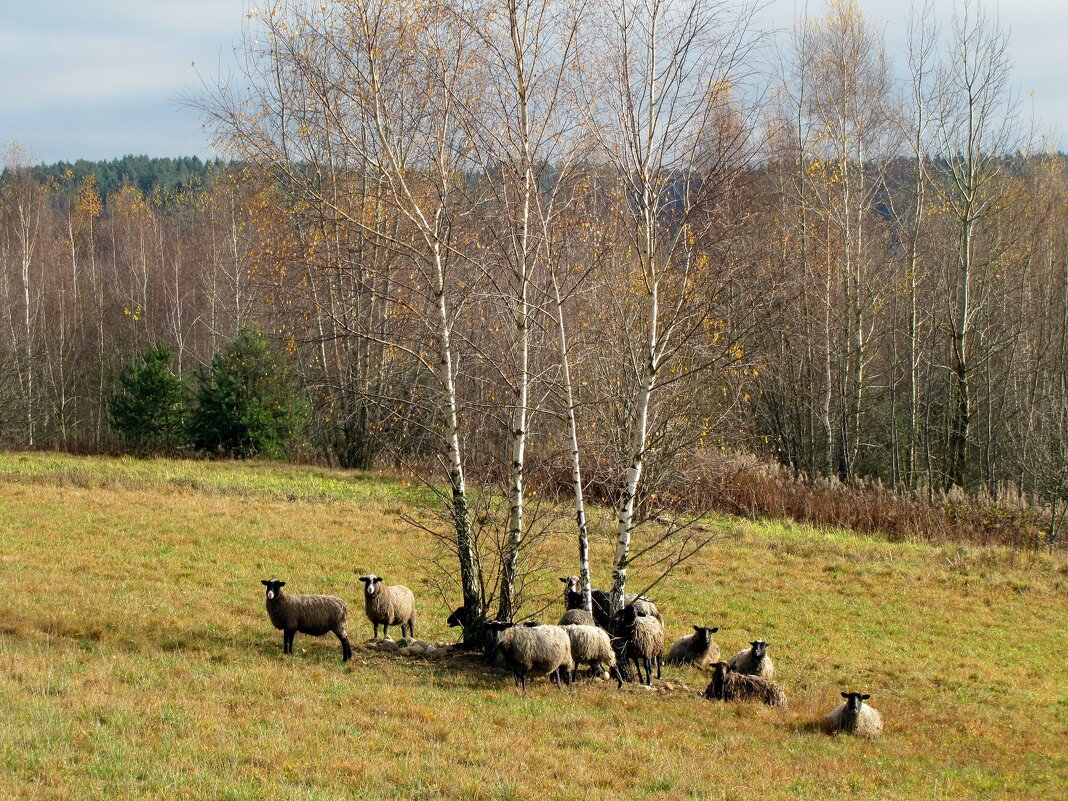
{"x": 137, "y": 661}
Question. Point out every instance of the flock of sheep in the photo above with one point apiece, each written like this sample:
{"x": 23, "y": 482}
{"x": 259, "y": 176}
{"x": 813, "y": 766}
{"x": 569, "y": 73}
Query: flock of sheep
{"x": 597, "y": 639}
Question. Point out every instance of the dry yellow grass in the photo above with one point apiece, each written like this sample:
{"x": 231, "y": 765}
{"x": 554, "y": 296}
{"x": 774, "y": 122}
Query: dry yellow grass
{"x": 136, "y": 659}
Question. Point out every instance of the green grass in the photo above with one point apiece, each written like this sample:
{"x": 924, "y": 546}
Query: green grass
{"x": 136, "y": 659}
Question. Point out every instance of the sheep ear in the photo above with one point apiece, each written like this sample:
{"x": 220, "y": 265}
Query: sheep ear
{"x": 845, "y": 695}
{"x": 865, "y": 697}
{"x": 281, "y": 584}
{"x": 564, "y": 580}
{"x": 697, "y": 629}
{"x": 714, "y": 630}
{"x": 264, "y": 582}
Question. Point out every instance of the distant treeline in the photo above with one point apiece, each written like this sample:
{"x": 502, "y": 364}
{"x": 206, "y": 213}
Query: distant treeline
{"x": 151, "y": 175}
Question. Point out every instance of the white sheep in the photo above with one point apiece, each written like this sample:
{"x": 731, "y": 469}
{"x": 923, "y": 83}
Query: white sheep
{"x": 753, "y": 661}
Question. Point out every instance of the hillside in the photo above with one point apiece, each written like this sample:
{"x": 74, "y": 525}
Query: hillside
{"x": 136, "y": 659}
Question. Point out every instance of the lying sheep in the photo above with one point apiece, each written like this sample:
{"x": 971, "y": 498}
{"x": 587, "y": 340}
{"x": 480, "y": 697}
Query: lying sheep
{"x": 754, "y": 660}
{"x": 542, "y": 650}
{"x": 591, "y": 645}
{"x": 577, "y": 617}
{"x": 855, "y": 717}
{"x": 698, "y": 649}
{"x": 388, "y": 605}
{"x": 729, "y": 685}
{"x": 641, "y": 640}
{"x": 308, "y": 614}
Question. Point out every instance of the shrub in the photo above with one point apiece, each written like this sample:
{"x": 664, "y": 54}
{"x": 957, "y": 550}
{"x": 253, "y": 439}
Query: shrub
{"x": 150, "y": 407}
{"x": 246, "y": 403}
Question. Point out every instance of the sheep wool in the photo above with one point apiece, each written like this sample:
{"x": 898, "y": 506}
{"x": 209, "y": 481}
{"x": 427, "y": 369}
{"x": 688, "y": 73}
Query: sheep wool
{"x": 853, "y": 716}
{"x": 697, "y": 649}
{"x": 307, "y": 614}
{"x": 577, "y": 617}
{"x": 729, "y": 686}
{"x": 388, "y": 605}
{"x": 591, "y": 645}
{"x": 754, "y": 660}
{"x": 541, "y": 650}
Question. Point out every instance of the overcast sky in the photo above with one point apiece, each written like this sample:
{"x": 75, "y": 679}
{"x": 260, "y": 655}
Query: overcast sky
{"x": 101, "y": 78}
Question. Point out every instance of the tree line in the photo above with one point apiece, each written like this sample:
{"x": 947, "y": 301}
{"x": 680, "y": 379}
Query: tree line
{"x": 576, "y": 248}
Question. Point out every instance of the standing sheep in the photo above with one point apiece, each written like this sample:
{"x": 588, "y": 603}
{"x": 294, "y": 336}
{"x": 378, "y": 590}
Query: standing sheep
{"x": 543, "y": 650}
{"x": 601, "y": 602}
{"x": 855, "y": 717}
{"x": 308, "y": 614}
{"x": 642, "y": 642}
{"x": 592, "y": 646}
{"x": 754, "y": 661}
{"x": 698, "y": 649}
{"x": 729, "y": 685}
{"x": 388, "y": 605}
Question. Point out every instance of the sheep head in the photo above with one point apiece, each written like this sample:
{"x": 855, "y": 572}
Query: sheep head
{"x": 274, "y": 588}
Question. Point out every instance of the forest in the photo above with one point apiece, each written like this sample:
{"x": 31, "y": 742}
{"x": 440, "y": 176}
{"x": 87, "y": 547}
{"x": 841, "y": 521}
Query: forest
{"x": 639, "y": 255}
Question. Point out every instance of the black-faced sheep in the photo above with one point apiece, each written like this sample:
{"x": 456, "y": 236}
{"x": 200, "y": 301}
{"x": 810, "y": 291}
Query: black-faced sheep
{"x": 307, "y": 614}
{"x": 698, "y": 649}
{"x": 542, "y": 650}
{"x": 388, "y": 605}
{"x": 753, "y": 661}
{"x": 729, "y": 685}
{"x": 602, "y": 603}
{"x": 591, "y": 645}
{"x": 855, "y": 717}
{"x": 641, "y": 640}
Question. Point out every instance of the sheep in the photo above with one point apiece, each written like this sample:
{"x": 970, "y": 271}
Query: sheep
{"x": 388, "y": 605}
{"x": 458, "y": 618}
{"x": 754, "y": 660}
{"x": 591, "y": 645}
{"x": 698, "y": 649}
{"x": 729, "y": 685}
{"x": 308, "y": 614}
{"x": 855, "y": 717}
{"x": 534, "y": 649}
{"x": 642, "y": 641}
{"x": 577, "y": 617}
{"x": 602, "y": 602}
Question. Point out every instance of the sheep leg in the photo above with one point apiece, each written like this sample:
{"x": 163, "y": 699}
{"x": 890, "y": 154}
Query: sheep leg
{"x": 385, "y": 631}
{"x": 614, "y": 673}
{"x": 346, "y": 649}
{"x": 659, "y": 669}
{"x": 649, "y": 671}
{"x": 287, "y": 640}
{"x": 376, "y": 630}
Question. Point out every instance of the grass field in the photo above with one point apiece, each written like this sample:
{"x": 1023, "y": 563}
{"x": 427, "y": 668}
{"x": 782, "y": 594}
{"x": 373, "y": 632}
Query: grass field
{"x": 137, "y": 661}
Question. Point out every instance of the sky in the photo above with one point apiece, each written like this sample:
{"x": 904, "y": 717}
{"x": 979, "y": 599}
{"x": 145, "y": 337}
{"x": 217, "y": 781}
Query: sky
{"x": 99, "y": 79}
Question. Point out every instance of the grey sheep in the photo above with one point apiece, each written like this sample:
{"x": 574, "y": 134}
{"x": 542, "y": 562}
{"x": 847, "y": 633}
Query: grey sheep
{"x": 641, "y": 640}
{"x": 592, "y": 646}
{"x": 729, "y": 685}
{"x": 308, "y": 614}
{"x": 577, "y": 617}
{"x": 388, "y": 605}
{"x": 754, "y": 660}
{"x": 698, "y": 649}
{"x": 542, "y": 650}
{"x": 855, "y": 717}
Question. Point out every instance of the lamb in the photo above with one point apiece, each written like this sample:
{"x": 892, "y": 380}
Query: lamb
{"x": 729, "y": 685}
{"x": 534, "y": 649}
{"x": 642, "y": 641}
{"x": 698, "y": 649}
{"x": 855, "y": 717}
{"x": 591, "y": 645}
{"x": 308, "y": 614}
{"x": 754, "y": 660}
{"x": 577, "y": 617}
{"x": 388, "y": 605}
{"x": 457, "y": 618}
